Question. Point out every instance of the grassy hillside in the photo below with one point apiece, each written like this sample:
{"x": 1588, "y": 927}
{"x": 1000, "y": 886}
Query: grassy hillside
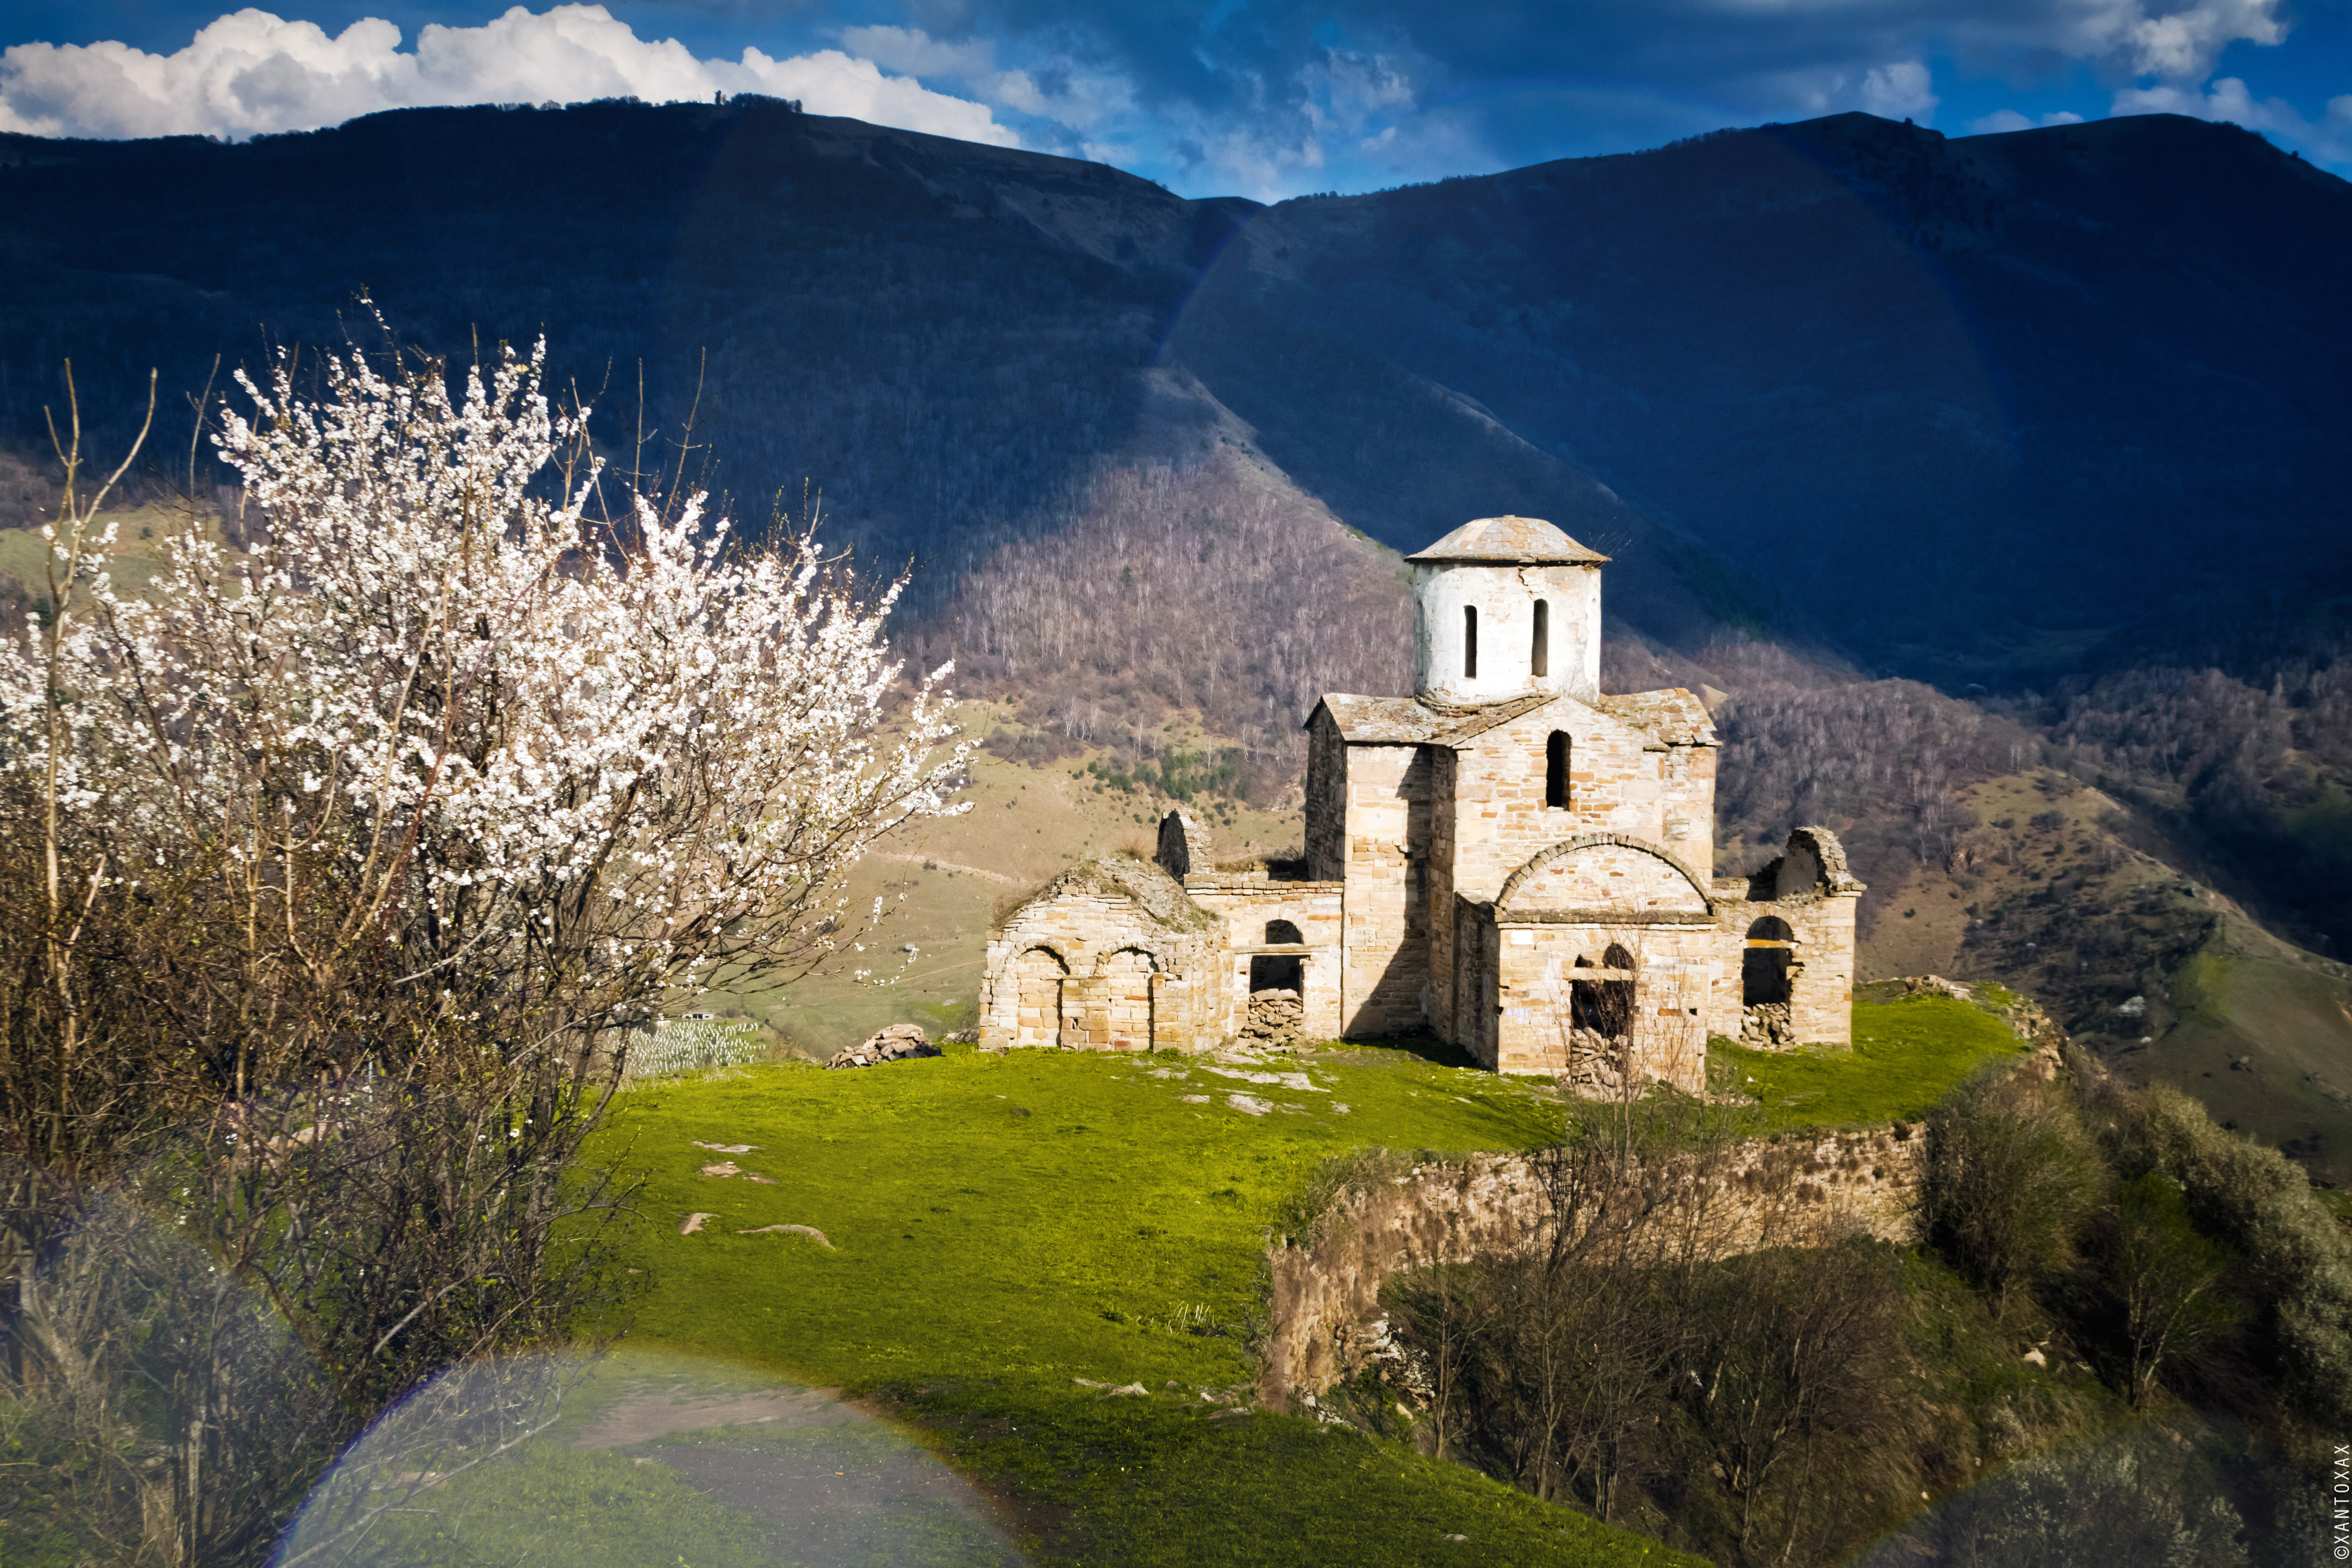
{"x": 1011, "y": 1238}
{"x": 2080, "y": 899}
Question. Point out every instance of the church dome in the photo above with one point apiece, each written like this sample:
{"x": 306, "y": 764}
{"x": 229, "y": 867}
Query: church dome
{"x": 1509, "y": 542}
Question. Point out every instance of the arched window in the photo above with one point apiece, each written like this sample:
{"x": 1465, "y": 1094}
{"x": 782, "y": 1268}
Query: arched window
{"x": 1539, "y": 659}
{"x": 1605, "y": 1006}
{"x": 1764, "y": 966}
{"x": 1469, "y": 642}
{"x": 1281, "y": 933}
{"x": 1556, "y": 759}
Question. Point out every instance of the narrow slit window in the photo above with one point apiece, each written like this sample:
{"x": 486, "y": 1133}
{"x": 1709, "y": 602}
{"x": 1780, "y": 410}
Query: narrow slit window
{"x": 1556, "y": 770}
{"x": 1469, "y": 642}
{"x": 1541, "y": 660}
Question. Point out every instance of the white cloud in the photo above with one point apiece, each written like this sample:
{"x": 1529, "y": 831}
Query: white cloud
{"x": 1899, "y": 91}
{"x": 1059, "y": 90}
{"x": 2327, "y": 138}
{"x": 2001, "y": 120}
{"x": 251, "y": 72}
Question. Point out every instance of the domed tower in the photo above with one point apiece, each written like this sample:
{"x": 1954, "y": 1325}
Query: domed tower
{"x": 1506, "y": 605}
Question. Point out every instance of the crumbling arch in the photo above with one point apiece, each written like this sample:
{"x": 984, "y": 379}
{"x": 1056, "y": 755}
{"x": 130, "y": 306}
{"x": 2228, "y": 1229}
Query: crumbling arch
{"x": 1123, "y": 985}
{"x": 1765, "y": 962}
{"x": 1039, "y": 978}
{"x": 1282, "y": 933}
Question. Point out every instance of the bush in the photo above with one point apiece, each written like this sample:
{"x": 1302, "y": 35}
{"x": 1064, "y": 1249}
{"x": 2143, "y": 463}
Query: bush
{"x": 2299, "y": 1265}
{"x": 2011, "y": 1182}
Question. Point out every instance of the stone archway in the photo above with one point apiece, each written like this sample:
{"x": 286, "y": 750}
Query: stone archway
{"x": 1039, "y": 978}
{"x": 1768, "y": 976}
{"x": 1123, "y": 990}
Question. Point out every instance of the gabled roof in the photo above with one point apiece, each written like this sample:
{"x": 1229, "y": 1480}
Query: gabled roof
{"x": 1509, "y": 541}
{"x": 1673, "y": 715}
{"x": 1409, "y": 721}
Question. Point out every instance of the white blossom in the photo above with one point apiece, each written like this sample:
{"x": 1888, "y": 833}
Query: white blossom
{"x": 439, "y": 689}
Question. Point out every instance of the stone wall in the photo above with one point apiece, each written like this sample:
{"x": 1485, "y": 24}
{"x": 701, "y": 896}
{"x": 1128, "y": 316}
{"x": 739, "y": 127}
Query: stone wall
{"x": 1505, "y": 597}
{"x": 1674, "y": 973}
{"x": 1810, "y": 892}
{"x": 1110, "y": 956}
{"x": 1326, "y": 798}
{"x": 1245, "y": 903}
{"x": 1615, "y": 785}
{"x": 1328, "y": 1323}
{"x": 1385, "y": 961}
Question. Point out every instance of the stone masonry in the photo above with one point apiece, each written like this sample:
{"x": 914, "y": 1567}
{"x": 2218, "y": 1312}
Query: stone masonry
{"x": 1508, "y": 857}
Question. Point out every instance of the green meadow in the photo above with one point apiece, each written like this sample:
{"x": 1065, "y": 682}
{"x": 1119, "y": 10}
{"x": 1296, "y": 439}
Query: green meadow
{"x": 1907, "y": 1056}
{"x": 1012, "y": 1237}
{"x": 1009, "y": 1240}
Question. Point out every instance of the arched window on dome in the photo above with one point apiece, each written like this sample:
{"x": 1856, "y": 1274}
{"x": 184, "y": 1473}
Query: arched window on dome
{"x": 1540, "y": 656}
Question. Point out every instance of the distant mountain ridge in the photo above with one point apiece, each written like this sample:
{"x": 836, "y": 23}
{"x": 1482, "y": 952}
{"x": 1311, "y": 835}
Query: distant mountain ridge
{"x": 2057, "y": 418}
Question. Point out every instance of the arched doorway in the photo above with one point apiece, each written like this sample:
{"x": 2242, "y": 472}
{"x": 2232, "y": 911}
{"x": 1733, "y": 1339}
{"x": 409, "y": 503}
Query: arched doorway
{"x": 1126, "y": 993}
{"x": 1038, "y": 978}
{"x": 1764, "y": 965}
{"x": 1767, "y": 983}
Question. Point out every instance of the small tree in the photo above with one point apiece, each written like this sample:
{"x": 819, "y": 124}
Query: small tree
{"x": 2166, "y": 1278}
{"x": 352, "y": 857}
{"x": 2011, "y": 1182}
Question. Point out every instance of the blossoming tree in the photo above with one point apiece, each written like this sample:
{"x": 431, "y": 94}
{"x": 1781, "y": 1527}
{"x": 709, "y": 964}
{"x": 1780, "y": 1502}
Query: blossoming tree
{"x": 363, "y": 845}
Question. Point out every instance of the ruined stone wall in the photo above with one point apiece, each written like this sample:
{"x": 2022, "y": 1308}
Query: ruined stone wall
{"x": 1245, "y": 903}
{"x": 1385, "y": 965}
{"x": 1676, "y": 970}
{"x": 1326, "y": 799}
{"x": 1821, "y": 972}
{"x": 1092, "y": 970}
{"x": 1328, "y": 1323}
{"x": 1500, "y": 819}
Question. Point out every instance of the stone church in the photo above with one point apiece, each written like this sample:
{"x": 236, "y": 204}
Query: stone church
{"x": 1507, "y": 858}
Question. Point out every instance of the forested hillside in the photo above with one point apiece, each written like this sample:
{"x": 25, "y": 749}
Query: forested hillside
{"x": 1940, "y": 460}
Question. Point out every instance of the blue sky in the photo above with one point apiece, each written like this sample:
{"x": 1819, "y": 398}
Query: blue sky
{"x": 1258, "y": 97}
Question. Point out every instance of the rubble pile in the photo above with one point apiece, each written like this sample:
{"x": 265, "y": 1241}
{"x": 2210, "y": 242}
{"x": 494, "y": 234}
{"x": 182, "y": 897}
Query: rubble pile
{"x": 1595, "y": 1060}
{"x": 1276, "y": 1017}
{"x": 895, "y": 1044}
{"x": 1767, "y": 1026}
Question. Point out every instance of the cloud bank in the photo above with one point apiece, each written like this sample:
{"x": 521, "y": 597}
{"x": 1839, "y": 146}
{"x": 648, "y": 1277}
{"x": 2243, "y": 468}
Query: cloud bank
{"x": 1261, "y": 97}
{"x": 1274, "y": 96}
{"x": 251, "y": 72}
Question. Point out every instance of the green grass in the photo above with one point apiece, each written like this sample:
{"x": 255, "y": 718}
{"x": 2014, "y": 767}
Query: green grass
{"x": 1906, "y": 1056}
{"x": 1004, "y": 1226}
{"x": 549, "y": 1501}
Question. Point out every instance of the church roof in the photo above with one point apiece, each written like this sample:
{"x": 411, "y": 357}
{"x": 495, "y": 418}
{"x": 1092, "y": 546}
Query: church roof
{"x": 1408, "y": 721}
{"x": 1673, "y": 715}
{"x": 1509, "y": 541}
